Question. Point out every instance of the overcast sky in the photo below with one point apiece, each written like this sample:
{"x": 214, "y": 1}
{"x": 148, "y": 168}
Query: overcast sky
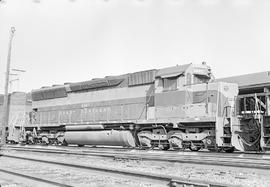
{"x": 58, "y": 41}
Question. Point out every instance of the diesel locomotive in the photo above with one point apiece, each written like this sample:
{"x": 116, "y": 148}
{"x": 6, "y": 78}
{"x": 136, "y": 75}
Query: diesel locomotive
{"x": 179, "y": 107}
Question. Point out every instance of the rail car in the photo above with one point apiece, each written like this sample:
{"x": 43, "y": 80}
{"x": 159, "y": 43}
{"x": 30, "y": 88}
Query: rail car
{"x": 253, "y": 110}
{"x": 179, "y": 107}
{"x": 19, "y": 107}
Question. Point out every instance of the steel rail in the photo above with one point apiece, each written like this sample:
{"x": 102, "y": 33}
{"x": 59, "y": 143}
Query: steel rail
{"x": 241, "y": 162}
{"x": 75, "y": 147}
{"x": 169, "y": 179}
{"x": 137, "y": 149}
{"x": 122, "y": 150}
{"x": 36, "y": 179}
{"x": 129, "y": 154}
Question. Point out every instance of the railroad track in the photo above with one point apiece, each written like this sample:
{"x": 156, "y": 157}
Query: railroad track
{"x": 167, "y": 180}
{"x": 127, "y": 149}
{"x": 253, "y": 161}
{"x": 29, "y": 179}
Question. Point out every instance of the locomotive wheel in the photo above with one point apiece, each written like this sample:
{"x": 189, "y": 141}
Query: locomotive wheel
{"x": 194, "y": 148}
{"x": 145, "y": 142}
{"x": 166, "y": 147}
{"x": 12, "y": 142}
{"x": 176, "y": 143}
{"x": 45, "y": 140}
{"x": 30, "y": 140}
{"x": 60, "y": 140}
{"x": 229, "y": 150}
{"x": 64, "y": 143}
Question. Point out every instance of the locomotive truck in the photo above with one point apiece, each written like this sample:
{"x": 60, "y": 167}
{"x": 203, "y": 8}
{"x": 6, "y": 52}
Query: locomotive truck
{"x": 172, "y": 108}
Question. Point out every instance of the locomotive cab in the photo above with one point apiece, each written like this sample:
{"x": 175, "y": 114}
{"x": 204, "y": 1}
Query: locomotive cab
{"x": 186, "y": 97}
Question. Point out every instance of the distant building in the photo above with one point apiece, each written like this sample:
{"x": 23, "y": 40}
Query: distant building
{"x": 250, "y": 83}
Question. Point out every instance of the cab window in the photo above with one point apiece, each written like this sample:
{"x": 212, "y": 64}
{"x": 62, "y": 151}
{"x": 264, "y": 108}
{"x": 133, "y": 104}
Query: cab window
{"x": 200, "y": 79}
{"x": 169, "y": 83}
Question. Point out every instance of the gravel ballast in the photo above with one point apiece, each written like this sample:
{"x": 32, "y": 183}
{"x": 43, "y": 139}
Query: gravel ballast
{"x": 210, "y": 173}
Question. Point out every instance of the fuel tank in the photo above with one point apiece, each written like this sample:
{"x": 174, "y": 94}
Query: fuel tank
{"x": 107, "y": 137}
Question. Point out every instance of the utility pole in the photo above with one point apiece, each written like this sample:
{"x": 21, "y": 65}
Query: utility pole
{"x": 5, "y": 105}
